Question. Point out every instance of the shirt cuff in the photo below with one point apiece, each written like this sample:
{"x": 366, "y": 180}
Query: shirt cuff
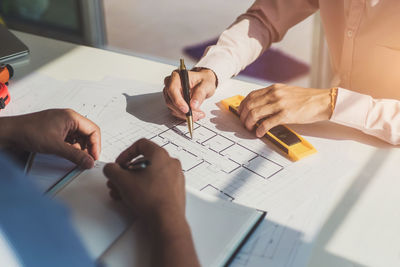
{"x": 216, "y": 61}
{"x": 351, "y": 108}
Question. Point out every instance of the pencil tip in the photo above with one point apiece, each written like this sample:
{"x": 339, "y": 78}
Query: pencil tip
{"x": 189, "y": 120}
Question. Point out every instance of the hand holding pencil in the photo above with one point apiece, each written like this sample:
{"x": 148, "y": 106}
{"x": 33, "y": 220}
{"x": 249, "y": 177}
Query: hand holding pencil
{"x": 202, "y": 85}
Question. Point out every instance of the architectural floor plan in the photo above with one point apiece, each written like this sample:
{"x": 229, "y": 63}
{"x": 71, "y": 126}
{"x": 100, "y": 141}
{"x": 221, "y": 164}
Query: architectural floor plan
{"x": 223, "y": 159}
{"x": 212, "y": 153}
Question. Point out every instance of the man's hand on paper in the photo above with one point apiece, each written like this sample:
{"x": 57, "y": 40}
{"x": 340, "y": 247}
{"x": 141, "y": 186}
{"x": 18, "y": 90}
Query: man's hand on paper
{"x": 284, "y": 104}
{"x": 202, "y": 86}
{"x": 156, "y": 195}
{"x": 157, "y": 189}
{"x": 62, "y": 132}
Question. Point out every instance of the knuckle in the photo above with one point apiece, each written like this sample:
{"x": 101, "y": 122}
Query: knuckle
{"x": 141, "y": 141}
{"x": 247, "y": 105}
{"x": 167, "y": 80}
{"x": 177, "y": 163}
{"x": 248, "y": 125}
{"x": 244, "y": 108}
{"x": 253, "y": 114}
{"x": 170, "y": 107}
{"x": 162, "y": 151}
{"x": 252, "y": 95}
{"x": 174, "y": 99}
{"x": 283, "y": 117}
{"x": 279, "y": 94}
{"x": 165, "y": 94}
{"x": 68, "y": 114}
{"x": 272, "y": 90}
{"x": 174, "y": 75}
{"x": 280, "y": 105}
{"x": 108, "y": 170}
{"x": 69, "y": 111}
{"x": 263, "y": 128}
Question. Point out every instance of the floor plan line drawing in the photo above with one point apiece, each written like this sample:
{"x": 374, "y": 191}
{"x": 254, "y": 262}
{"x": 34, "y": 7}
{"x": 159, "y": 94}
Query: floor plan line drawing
{"x": 223, "y": 159}
{"x": 271, "y": 241}
{"x": 237, "y": 155}
{"x": 209, "y": 187}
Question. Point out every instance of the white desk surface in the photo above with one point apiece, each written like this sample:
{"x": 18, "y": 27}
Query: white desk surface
{"x": 362, "y": 226}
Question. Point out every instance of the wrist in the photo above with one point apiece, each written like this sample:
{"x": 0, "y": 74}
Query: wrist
{"x": 167, "y": 222}
{"x": 322, "y": 100}
{"x": 209, "y": 72}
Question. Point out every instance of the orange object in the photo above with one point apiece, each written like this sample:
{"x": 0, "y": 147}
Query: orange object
{"x": 6, "y": 73}
{"x": 288, "y": 141}
{"x": 4, "y": 96}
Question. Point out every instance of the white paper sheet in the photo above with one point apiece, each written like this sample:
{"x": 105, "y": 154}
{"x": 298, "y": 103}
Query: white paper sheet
{"x": 100, "y": 221}
{"x": 223, "y": 159}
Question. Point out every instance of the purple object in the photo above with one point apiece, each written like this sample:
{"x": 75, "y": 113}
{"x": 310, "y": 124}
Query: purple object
{"x": 273, "y": 65}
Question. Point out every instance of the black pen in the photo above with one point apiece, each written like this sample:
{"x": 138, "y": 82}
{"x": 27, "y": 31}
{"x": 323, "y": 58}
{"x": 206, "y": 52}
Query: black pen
{"x": 183, "y": 74}
{"x": 136, "y": 165}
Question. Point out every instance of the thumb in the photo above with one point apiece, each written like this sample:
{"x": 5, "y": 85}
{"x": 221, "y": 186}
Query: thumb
{"x": 199, "y": 95}
{"x": 116, "y": 175}
{"x": 77, "y": 156}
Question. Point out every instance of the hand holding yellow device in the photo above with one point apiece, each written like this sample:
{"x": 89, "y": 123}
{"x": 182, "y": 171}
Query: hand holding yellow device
{"x": 287, "y": 140}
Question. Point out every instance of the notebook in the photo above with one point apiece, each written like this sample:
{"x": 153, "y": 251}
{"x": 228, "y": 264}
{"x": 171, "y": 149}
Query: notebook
{"x": 10, "y": 47}
{"x": 219, "y": 227}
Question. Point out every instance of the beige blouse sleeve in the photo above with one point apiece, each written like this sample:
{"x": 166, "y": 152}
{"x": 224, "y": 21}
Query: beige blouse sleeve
{"x": 266, "y": 21}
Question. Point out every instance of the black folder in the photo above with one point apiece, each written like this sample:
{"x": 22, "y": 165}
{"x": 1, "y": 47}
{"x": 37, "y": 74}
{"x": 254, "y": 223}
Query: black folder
{"x": 10, "y": 46}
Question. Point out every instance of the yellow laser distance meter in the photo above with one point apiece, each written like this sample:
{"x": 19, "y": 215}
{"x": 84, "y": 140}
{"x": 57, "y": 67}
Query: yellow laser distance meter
{"x": 287, "y": 140}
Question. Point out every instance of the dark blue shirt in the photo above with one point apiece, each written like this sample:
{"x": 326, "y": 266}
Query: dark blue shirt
{"x": 37, "y": 228}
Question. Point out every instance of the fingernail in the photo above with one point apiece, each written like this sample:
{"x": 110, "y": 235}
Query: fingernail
{"x": 202, "y": 115}
{"x": 86, "y": 163}
{"x": 195, "y": 103}
{"x": 183, "y": 109}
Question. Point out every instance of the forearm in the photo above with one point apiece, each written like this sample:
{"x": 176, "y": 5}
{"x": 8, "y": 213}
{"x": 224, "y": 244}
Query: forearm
{"x": 252, "y": 33}
{"x": 172, "y": 242}
{"x": 235, "y": 49}
{"x": 376, "y": 117}
{"x": 6, "y": 131}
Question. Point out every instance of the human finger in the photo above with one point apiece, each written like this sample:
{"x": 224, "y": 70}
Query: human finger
{"x": 197, "y": 115}
{"x": 258, "y": 113}
{"x": 174, "y": 110}
{"x": 167, "y": 80}
{"x": 178, "y": 114}
{"x": 111, "y": 185}
{"x": 116, "y": 176}
{"x": 252, "y": 100}
{"x": 121, "y": 182}
{"x": 75, "y": 155}
{"x": 251, "y": 106}
{"x": 200, "y": 93}
{"x": 89, "y": 130}
{"x": 141, "y": 147}
{"x": 251, "y": 96}
{"x": 267, "y": 124}
{"x": 115, "y": 195}
{"x": 175, "y": 94}
{"x": 167, "y": 99}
